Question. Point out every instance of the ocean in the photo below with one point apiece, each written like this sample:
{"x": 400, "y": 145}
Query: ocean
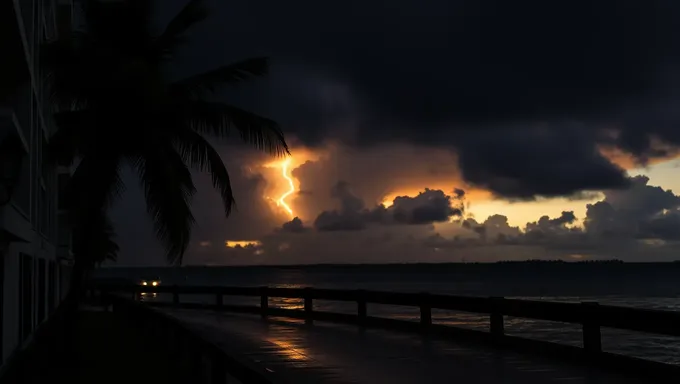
{"x": 641, "y": 285}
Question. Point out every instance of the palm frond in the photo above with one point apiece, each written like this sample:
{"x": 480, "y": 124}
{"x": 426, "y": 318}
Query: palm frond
{"x": 168, "y": 189}
{"x": 107, "y": 243}
{"x": 173, "y": 35}
{"x": 220, "y": 120}
{"x": 195, "y": 86}
{"x": 196, "y": 151}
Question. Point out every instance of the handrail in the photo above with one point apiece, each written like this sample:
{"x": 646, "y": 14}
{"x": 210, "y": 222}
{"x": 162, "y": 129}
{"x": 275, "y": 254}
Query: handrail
{"x": 585, "y": 313}
{"x": 591, "y": 315}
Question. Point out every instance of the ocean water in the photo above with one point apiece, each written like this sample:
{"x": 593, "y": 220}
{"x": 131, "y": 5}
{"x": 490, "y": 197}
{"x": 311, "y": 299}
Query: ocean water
{"x": 642, "y": 285}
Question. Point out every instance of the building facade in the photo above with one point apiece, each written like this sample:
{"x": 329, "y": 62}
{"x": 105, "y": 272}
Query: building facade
{"x": 34, "y": 242}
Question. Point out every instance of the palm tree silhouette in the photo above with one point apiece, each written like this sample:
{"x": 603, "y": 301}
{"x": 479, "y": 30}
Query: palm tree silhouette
{"x": 98, "y": 242}
{"x": 114, "y": 103}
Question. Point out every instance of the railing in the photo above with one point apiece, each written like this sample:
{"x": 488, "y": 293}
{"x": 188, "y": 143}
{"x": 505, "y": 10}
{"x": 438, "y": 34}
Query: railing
{"x": 590, "y": 315}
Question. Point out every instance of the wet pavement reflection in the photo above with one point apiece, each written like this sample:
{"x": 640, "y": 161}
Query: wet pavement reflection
{"x": 294, "y": 352}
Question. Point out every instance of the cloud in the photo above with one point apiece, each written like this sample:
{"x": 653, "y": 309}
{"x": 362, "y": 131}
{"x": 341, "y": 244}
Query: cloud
{"x": 640, "y": 214}
{"x": 294, "y": 226}
{"x": 641, "y": 222}
{"x": 554, "y": 83}
{"x": 511, "y": 100}
{"x": 641, "y": 211}
{"x": 428, "y": 207}
{"x": 381, "y": 173}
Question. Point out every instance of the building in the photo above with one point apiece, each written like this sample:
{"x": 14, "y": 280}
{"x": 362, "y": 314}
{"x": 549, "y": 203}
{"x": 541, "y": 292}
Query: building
{"x": 34, "y": 242}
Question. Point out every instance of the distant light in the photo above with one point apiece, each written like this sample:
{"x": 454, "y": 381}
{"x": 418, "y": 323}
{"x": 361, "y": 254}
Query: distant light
{"x": 155, "y": 283}
{"x": 143, "y": 282}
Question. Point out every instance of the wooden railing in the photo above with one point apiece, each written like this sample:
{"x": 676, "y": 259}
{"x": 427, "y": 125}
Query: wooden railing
{"x": 590, "y": 315}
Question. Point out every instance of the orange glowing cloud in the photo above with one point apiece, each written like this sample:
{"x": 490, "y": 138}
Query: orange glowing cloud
{"x": 628, "y": 162}
{"x": 242, "y": 243}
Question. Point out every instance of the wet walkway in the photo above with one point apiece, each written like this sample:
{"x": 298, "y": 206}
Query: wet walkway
{"x": 293, "y": 352}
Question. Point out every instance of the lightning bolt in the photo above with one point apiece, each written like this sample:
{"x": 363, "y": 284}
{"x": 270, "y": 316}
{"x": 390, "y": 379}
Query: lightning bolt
{"x": 282, "y": 199}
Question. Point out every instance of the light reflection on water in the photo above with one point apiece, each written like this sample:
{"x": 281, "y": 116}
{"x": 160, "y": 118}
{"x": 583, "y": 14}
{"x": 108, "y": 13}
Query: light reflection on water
{"x": 145, "y": 296}
{"x": 285, "y": 303}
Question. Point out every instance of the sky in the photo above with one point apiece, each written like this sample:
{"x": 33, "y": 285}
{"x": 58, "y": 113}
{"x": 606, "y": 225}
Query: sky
{"x": 440, "y": 131}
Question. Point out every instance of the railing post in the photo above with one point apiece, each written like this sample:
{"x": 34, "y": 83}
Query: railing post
{"x": 175, "y": 295}
{"x": 592, "y": 338}
{"x": 496, "y": 326}
{"x": 219, "y": 300}
{"x": 309, "y": 306}
{"x": 264, "y": 301}
{"x": 361, "y": 307}
{"x": 425, "y": 311}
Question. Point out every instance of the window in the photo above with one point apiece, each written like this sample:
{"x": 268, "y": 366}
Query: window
{"x": 25, "y": 296}
{"x": 42, "y": 285}
{"x": 52, "y": 286}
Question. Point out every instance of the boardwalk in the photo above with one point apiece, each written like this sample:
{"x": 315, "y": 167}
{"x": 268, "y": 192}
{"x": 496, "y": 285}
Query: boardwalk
{"x": 292, "y": 352}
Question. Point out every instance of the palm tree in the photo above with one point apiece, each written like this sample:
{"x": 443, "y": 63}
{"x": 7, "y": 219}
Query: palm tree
{"x": 115, "y": 104}
{"x": 98, "y": 243}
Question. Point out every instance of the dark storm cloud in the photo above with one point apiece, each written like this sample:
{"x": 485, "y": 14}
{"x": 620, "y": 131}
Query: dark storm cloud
{"x": 294, "y": 226}
{"x": 502, "y": 59}
{"x": 547, "y": 225}
{"x": 640, "y": 212}
{"x": 428, "y": 207}
{"x": 543, "y": 160}
{"x": 474, "y": 76}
